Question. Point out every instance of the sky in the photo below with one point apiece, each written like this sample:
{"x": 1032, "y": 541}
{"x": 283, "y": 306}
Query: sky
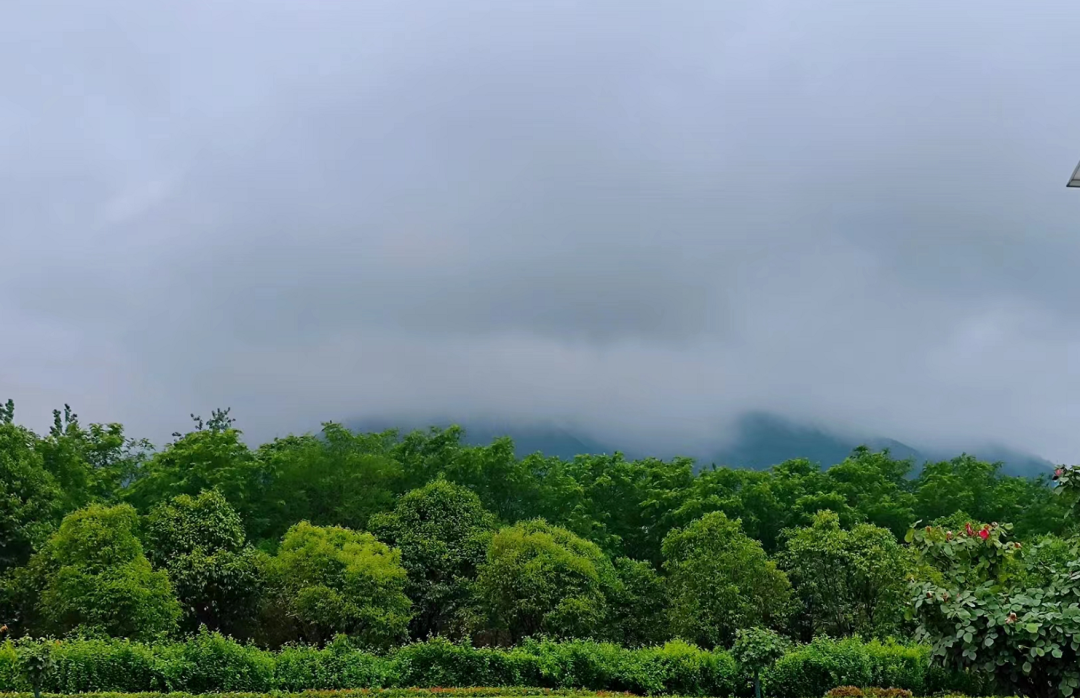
{"x": 640, "y": 218}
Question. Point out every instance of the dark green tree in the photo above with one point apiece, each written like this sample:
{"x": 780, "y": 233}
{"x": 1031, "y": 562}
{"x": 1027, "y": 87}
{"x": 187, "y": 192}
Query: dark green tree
{"x": 443, "y": 533}
{"x": 31, "y": 503}
{"x": 720, "y": 581}
{"x": 339, "y": 478}
{"x": 847, "y": 581}
{"x": 638, "y": 604}
{"x": 200, "y": 542}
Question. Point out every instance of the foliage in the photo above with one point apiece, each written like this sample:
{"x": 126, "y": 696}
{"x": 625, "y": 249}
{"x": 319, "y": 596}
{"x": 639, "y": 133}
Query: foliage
{"x": 327, "y": 580}
{"x": 442, "y": 531}
{"x": 638, "y": 604}
{"x": 848, "y": 581}
{"x": 542, "y": 579}
{"x": 720, "y": 580}
{"x": 35, "y": 662}
{"x": 979, "y": 615}
{"x": 199, "y": 541}
{"x": 632, "y": 552}
{"x": 97, "y": 579}
{"x": 810, "y": 670}
{"x": 757, "y": 649}
{"x": 30, "y": 499}
{"x": 210, "y": 662}
{"x": 336, "y": 479}
{"x": 211, "y": 457}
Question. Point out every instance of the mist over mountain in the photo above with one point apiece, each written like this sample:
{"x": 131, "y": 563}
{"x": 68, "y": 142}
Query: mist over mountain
{"x": 761, "y": 440}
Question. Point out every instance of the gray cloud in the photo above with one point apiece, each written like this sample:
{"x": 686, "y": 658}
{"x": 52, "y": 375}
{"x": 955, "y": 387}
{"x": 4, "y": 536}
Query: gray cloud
{"x": 644, "y": 219}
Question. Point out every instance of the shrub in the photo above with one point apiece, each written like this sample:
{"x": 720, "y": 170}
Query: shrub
{"x": 337, "y": 666}
{"x": 438, "y": 662}
{"x": 823, "y": 664}
{"x": 210, "y": 662}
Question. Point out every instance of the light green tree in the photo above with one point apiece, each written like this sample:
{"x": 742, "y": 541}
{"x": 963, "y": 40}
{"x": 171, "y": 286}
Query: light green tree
{"x": 96, "y": 578}
{"x": 542, "y": 579}
{"x": 328, "y": 580}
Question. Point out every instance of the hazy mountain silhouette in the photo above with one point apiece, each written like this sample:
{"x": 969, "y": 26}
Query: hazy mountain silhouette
{"x": 762, "y": 440}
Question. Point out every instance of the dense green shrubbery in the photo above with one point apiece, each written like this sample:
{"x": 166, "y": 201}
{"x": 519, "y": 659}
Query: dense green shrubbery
{"x": 210, "y": 662}
{"x": 810, "y": 670}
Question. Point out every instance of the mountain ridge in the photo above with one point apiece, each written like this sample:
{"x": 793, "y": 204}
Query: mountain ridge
{"x": 762, "y": 440}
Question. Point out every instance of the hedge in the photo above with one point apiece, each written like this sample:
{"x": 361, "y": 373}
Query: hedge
{"x": 209, "y": 662}
{"x": 813, "y": 669}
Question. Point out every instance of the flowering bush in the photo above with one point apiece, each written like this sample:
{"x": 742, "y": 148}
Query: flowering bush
{"x": 976, "y": 613}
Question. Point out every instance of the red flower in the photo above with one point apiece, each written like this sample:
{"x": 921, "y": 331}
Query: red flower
{"x": 969, "y": 529}
{"x": 984, "y": 534}
{"x": 1058, "y": 473}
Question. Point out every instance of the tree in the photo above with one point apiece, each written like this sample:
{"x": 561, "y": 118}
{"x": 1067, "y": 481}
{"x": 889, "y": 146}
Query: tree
{"x": 638, "y": 604}
{"x": 538, "y": 578}
{"x": 31, "y": 502}
{"x": 756, "y": 650}
{"x": 978, "y": 613}
{"x": 877, "y": 488}
{"x": 212, "y": 456}
{"x": 96, "y": 578}
{"x": 848, "y": 582}
{"x": 338, "y": 478}
{"x": 330, "y": 580}
{"x": 200, "y": 542}
{"x": 443, "y": 532}
{"x": 720, "y": 580}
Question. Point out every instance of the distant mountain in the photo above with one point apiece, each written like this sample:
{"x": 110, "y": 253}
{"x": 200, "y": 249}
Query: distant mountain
{"x": 762, "y": 440}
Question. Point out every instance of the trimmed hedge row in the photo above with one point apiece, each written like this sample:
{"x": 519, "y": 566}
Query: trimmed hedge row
{"x": 211, "y": 663}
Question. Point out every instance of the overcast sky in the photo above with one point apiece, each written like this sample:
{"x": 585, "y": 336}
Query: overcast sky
{"x": 644, "y": 218}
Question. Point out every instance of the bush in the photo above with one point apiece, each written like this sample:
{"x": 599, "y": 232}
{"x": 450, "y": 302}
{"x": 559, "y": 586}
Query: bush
{"x": 210, "y": 662}
{"x": 815, "y": 668}
{"x": 338, "y": 666}
{"x": 438, "y": 662}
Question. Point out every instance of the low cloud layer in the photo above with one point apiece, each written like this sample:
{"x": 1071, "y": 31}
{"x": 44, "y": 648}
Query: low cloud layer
{"x": 645, "y": 220}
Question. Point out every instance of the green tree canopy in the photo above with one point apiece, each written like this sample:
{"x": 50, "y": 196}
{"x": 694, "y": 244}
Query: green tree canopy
{"x": 211, "y": 457}
{"x": 443, "y": 532}
{"x": 638, "y": 604}
{"x": 330, "y": 580}
{"x": 847, "y": 581}
{"x": 96, "y": 578}
{"x": 538, "y": 578}
{"x": 338, "y": 478}
{"x": 200, "y": 542}
{"x": 31, "y": 503}
{"x": 720, "y": 580}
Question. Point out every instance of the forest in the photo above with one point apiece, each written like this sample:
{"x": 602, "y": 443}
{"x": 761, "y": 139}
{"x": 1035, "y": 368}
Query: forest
{"x": 382, "y": 540}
